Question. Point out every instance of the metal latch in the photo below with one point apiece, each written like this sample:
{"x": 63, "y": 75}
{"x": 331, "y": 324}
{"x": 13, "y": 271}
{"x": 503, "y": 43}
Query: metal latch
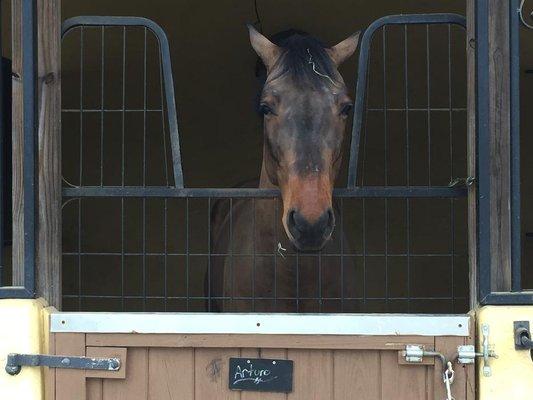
{"x": 15, "y": 362}
{"x": 416, "y": 353}
{"x": 467, "y": 354}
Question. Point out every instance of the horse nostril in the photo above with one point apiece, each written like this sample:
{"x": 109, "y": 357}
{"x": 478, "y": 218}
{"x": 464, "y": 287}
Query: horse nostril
{"x": 331, "y": 215}
{"x": 292, "y": 223}
{"x": 330, "y": 222}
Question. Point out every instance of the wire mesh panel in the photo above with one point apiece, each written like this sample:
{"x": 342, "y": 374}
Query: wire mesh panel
{"x": 134, "y": 240}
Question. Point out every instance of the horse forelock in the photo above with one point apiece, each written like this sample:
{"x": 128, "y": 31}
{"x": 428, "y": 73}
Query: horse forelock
{"x": 304, "y": 60}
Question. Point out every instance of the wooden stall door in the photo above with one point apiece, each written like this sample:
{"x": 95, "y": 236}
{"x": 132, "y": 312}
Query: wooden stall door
{"x": 175, "y": 366}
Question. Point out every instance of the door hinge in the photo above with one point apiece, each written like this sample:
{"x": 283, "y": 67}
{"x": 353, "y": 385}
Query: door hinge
{"x": 467, "y": 354}
{"x": 15, "y": 362}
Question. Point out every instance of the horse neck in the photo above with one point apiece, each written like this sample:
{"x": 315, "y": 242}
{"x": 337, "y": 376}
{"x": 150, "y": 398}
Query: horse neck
{"x": 265, "y": 209}
{"x": 264, "y": 180}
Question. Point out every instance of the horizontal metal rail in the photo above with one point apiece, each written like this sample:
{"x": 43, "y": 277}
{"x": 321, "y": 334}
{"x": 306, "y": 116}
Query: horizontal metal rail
{"x": 358, "y": 192}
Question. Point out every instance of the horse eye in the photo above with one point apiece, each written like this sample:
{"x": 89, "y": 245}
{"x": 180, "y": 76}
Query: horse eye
{"x": 265, "y": 109}
{"x": 346, "y": 108}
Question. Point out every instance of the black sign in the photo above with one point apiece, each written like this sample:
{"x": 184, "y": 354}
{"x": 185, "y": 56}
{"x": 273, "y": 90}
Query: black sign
{"x": 260, "y": 374}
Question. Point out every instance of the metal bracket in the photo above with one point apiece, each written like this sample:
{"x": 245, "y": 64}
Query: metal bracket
{"x": 522, "y": 336}
{"x": 467, "y": 354}
{"x": 15, "y": 362}
{"x": 413, "y": 353}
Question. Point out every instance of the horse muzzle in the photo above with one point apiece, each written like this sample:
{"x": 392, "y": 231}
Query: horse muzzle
{"x": 310, "y": 235}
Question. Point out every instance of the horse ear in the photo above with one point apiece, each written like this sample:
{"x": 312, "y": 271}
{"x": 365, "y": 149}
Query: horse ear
{"x": 265, "y": 49}
{"x": 343, "y": 50}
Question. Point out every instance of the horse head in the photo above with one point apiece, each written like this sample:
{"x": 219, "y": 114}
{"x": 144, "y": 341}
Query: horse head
{"x": 305, "y": 107}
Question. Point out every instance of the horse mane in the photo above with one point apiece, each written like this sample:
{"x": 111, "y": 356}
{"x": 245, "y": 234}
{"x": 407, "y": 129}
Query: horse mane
{"x": 298, "y": 46}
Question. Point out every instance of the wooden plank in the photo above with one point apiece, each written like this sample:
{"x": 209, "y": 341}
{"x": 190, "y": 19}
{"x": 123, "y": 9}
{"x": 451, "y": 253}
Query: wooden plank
{"x": 211, "y": 374}
{"x": 448, "y": 347}
{"x": 280, "y": 354}
{"x": 252, "y": 353}
{"x": 470, "y": 370}
{"x": 94, "y": 389}
{"x": 70, "y": 383}
{"x": 48, "y": 271}
{"x": 50, "y": 373}
{"x": 135, "y": 386}
{"x": 313, "y": 374}
{"x": 471, "y": 148}
{"x": 17, "y": 144}
{"x": 403, "y": 382}
{"x": 170, "y": 374}
{"x": 254, "y": 341}
{"x": 355, "y": 375}
{"x": 108, "y": 352}
{"x": 500, "y": 146}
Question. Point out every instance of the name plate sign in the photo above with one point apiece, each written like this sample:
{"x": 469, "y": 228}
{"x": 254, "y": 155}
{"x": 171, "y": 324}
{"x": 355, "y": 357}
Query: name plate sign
{"x": 260, "y": 374}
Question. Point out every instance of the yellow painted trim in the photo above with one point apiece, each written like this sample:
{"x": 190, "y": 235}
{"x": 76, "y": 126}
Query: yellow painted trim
{"x": 24, "y": 329}
{"x": 512, "y": 371}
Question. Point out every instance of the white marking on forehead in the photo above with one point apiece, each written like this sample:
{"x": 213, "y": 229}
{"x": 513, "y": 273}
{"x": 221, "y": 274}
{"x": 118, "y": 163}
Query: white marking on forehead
{"x": 310, "y": 61}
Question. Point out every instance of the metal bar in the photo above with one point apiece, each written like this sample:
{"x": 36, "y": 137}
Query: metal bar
{"x": 15, "y": 362}
{"x": 452, "y": 202}
{"x": 253, "y": 252}
{"x": 483, "y": 142}
{"x": 341, "y": 234}
{"x": 123, "y": 132}
{"x": 140, "y": 297}
{"x": 377, "y": 109}
{"x": 120, "y": 110}
{"x": 407, "y": 167}
{"x": 516, "y": 228}
{"x": 165, "y": 247}
{"x": 243, "y": 323}
{"x": 508, "y": 298}
{"x": 187, "y": 255}
{"x": 428, "y": 83}
{"x": 102, "y": 105}
{"x": 163, "y": 126}
{"x": 363, "y": 66}
{"x": 16, "y": 292}
{"x": 144, "y": 178}
{"x": 122, "y": 251}
{"x": 209, "y": 255}
{"x": 263, "y": 254}
{"x": 359, "y": 192}
{"x": 80, "y": 202}
{"x": 385, "y": 162}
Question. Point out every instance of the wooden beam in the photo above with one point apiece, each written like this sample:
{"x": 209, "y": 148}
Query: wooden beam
{"x": 471, "y": 147}
{"x": 17, "y": 144}
{"x": 500, "y": 149}
{"x": 48, "y": 268}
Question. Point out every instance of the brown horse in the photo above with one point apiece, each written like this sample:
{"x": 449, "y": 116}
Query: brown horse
{"x": 305, "y": 106}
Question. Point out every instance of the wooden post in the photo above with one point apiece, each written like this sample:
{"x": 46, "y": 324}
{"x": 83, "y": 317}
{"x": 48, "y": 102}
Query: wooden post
{"x": 17, "y": 144}
{"x": 48, "y": 269}
{"x": 48, "y": 241}
{"x": 471, "y": 146}
{"x": 500, "y": 149}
